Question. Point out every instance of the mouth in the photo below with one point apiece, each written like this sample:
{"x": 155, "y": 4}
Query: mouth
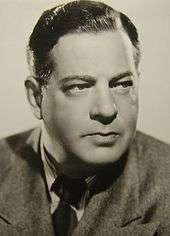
{"x": 102, "y": 134}
{"x": 102, "y": 138}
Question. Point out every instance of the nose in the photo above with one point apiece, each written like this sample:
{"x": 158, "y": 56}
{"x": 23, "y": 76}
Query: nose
{"x": 104, "y": 109}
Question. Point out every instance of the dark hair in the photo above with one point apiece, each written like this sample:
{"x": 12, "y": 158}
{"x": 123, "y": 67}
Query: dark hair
{"x": 73, "y": 17}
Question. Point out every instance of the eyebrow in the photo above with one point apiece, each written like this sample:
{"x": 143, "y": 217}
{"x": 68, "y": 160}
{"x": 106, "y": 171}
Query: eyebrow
{"x": 122, "y": 75}
{"x": 91, "y": 79}
{"x": 85, "y": 78}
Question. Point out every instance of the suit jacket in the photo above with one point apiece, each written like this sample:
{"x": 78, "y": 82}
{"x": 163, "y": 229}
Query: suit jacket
{"x": 136, "y": 204}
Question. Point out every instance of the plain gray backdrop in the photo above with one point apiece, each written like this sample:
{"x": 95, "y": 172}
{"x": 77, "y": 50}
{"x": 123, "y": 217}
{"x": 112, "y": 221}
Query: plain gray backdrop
{"x": 152, "y": 18}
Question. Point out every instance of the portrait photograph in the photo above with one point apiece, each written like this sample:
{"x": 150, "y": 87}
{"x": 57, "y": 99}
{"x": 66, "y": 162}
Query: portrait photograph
{"x": 85, "y": 118}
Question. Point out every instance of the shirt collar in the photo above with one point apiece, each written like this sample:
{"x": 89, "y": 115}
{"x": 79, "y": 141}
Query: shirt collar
{"x": 49, "y": 173}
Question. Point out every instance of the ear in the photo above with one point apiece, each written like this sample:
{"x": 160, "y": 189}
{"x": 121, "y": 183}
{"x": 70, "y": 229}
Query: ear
{"x": 34, "y": 96}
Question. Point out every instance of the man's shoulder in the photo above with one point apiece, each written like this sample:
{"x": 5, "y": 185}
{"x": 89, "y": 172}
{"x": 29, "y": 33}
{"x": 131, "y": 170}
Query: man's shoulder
{"x": 153, "y": 157}
{"x": 14, "y": 141}
{"x": 13, "y": 147}
{"x": 152, "y": 149}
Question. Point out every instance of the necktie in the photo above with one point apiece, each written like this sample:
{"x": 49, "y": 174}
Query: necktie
{"x": 64, "y": 219}
{"x": 70, "y": 192}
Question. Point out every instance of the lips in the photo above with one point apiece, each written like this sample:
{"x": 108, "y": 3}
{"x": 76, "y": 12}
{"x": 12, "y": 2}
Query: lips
{"x": 102, "y": 134}
{"x": 103, "y": 138}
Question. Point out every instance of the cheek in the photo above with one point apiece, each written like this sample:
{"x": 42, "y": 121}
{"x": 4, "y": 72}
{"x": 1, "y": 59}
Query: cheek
{"x": 63, "y": 117}
{"x": 128, "y": 109}
{"x": 133, "y": 96}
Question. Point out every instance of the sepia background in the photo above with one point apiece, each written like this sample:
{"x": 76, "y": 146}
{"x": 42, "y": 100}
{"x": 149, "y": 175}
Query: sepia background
{"x": 152, "y": 18}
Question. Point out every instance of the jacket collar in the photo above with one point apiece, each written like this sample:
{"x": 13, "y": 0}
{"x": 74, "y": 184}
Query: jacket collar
{"x": 24, "y": 201}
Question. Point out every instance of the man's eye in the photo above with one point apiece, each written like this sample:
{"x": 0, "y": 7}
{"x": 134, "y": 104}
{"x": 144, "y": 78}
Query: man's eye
{"x": 76, "y": 88}
{"x": 124, "y": 84}
{"x": 121, "y": 84}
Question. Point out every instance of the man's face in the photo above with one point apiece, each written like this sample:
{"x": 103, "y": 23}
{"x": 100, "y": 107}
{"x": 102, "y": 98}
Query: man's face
{"x": 90, "y": 105}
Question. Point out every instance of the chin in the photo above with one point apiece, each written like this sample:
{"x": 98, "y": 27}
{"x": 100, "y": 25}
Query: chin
{"x": 102, "y": 155}
{"x": 88, "y": 155}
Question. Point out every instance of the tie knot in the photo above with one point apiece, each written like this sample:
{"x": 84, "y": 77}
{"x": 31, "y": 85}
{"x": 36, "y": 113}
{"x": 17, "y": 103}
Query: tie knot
{"x": 69, "y": 190}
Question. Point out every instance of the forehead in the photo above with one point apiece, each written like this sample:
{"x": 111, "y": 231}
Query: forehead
{"x": 93, "y": 54}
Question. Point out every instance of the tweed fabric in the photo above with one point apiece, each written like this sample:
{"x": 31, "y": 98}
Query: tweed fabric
{"x": 137, "y": 203}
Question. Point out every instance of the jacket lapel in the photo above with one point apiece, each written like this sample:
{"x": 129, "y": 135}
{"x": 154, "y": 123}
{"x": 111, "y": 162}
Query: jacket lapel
{"x": 24, "y": 204}
{"x": 116, "y": 211}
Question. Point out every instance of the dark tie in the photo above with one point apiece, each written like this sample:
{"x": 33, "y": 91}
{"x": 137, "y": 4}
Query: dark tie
{"x": 70, "y": 192}
{"x": 64, "y": 219}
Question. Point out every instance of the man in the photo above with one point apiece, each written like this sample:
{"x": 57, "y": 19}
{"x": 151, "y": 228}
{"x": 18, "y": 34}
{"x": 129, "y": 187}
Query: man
{"x": 86, "y": 171}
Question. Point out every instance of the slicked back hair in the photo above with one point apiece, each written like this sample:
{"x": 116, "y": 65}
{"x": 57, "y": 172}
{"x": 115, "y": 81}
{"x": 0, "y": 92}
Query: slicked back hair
{"x": 73, "y": 17}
